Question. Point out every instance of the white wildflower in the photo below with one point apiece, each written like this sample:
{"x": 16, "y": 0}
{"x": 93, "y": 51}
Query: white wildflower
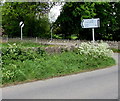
{"x": 95, "y": 49}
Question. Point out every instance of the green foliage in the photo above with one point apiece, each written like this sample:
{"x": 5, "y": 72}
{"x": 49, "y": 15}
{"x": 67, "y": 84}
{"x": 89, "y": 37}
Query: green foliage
{"x": 15, "y": 52}
{"x": 71, "y": 17}
{"x": 0, "y": 18}
{"x": 109, "y": 27}
{"x": 115, "y": 50}
{"x": 33, "y": 14}
{"x": 72, "y": 14}
{"x": 21, "y": 65}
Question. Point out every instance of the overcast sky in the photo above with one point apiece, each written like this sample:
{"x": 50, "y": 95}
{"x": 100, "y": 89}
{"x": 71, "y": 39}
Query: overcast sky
{"x": 54, "y": 13}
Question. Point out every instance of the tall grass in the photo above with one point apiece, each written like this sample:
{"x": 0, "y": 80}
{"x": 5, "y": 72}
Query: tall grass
{"x": 22, "y": 44}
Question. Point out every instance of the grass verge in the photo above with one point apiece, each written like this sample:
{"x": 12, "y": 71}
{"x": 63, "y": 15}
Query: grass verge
{"x": 115, "y": 50}
{"x": 47, "y": 66}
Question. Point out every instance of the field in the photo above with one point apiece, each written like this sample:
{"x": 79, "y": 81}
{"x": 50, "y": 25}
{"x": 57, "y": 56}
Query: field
{"x": 22, "y": 44}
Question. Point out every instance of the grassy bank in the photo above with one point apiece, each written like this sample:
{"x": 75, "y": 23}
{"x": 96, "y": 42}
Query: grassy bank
{"x": 46, "y": 66}
{"x": 22, "y": 65}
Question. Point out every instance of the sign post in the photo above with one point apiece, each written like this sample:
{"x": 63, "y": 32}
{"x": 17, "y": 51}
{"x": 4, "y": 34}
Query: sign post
{"x": 93, "y": 35}
{"x": 21, "y": 25}
{"x": 91, "y": 23}
{"x": 51, "y": 33}
{"x": 21, "y": 33}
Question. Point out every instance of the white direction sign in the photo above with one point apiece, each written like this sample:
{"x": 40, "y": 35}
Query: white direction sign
{"x": 90, "y": 23}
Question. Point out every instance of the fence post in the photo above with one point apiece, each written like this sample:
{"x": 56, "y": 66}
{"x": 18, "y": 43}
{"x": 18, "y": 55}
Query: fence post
{"x": 36, "y": 39}
{"x": 7, "y": 38}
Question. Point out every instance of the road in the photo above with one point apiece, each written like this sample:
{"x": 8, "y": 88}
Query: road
{"x": 98, "y": 84}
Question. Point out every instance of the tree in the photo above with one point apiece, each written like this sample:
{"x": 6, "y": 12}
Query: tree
{"x": 73, "y": 13}
{"x": 116, "y": 35}
{"x": 33, "y": 14}
{"x": 108, "y": 17}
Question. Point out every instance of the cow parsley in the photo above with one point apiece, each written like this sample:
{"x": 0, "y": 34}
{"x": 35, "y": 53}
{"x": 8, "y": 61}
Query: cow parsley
{"x": 95, "y": 49}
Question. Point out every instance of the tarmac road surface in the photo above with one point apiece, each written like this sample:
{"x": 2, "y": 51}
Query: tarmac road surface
{"x": 98, "y": 84}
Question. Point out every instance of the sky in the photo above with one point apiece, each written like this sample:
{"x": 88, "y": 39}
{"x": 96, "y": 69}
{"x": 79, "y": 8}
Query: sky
{"x": 3, "y": 1}
{"x": 55, "y": 12}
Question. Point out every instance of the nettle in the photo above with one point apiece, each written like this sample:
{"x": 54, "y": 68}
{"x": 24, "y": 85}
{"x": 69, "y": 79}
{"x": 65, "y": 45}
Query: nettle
{"x": 15, "y": 52}
{"x": 95, "y": 50}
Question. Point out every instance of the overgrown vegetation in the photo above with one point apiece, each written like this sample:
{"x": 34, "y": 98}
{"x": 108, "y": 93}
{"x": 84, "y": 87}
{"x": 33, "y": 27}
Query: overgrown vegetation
{"x": 19, "y": 64}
